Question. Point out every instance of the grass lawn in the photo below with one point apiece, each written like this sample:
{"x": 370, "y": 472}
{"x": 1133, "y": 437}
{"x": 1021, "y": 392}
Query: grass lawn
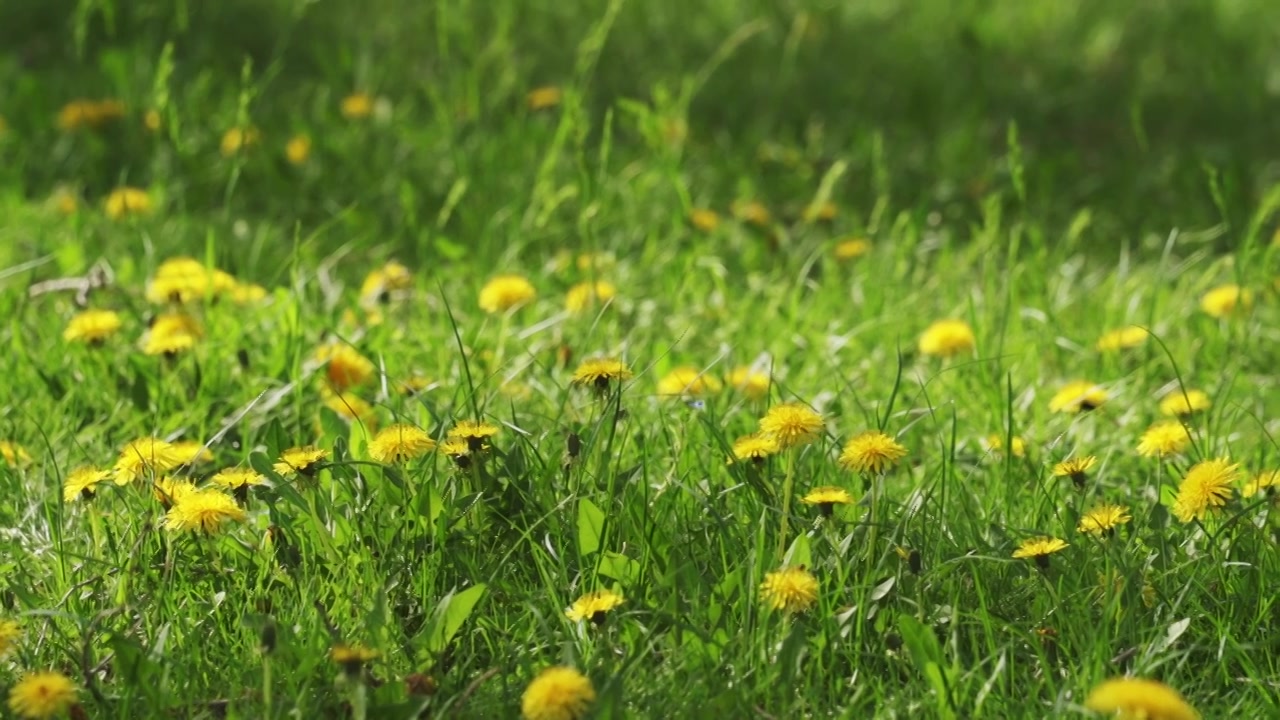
{"x": 639, "y": 359}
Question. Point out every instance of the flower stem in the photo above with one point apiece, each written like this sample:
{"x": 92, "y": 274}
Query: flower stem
{"x": 787, "y": 485}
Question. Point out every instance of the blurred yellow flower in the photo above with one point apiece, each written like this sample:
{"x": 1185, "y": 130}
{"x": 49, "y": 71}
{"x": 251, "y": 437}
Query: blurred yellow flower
{"x": 151, "y": 120}
{"x": 1264, "y": 482}
{"x": 42, "y": 695}
{"x": 871, "y": 452}
{"x": 1167, "y": 437}
{"x": 93, "y": 114}
{"x": 65, "y": 201}
{"x": 599, "y": 372}
{"x": 688, "y": 380}
{"x": 946, "y": 338}
{"x": 239, "y": 139}
{"x": 1130, "y": 698}
{"x": 344, "y": 366}
{"x": 82, "y": 483}
{"x": 126, "y": 201}
{"x": 827, "y": 497}
{"x": 593, "y": 606}
{"x": 823, "y": 211}
{"x": 544, "y": 98}
{"x": 400, "y": 443}
{"x": 791, "y": 590}
{"x": 755, "y": 447}
{"x": 170, "y": 334}
{"x": 995, "y": 443}
{"x": 357, "y": 106}
{"x": 1180, "y": 402}
{"x": 92, "y": 326}
{"x": 506, "y": 292}
{"x": 752, "y": 383}
{"x": 558, "y": 693}
{"x": 1078, "y": 396}
{"x": 705, "y": 220}
{"x": 586, "y": 295}
{"x": 298, "y": 150}
{"x": 752, "y": 212}
{"x": 304, "y": 460}
{"x": 1226, "y": 300}
{"x": 350, "y": 407}
{"x": 1104, "y": 519}
{"x": 14, "y": 454}
{"x": 1075, "y": 468}
{"x": 1039, "y": 549}
{"x": 1122, "y": 338}
{"x": 851, "y": 248}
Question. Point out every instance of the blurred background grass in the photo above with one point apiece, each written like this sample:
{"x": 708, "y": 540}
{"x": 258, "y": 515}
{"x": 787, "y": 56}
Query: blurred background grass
{"x": 1152, "y": 115}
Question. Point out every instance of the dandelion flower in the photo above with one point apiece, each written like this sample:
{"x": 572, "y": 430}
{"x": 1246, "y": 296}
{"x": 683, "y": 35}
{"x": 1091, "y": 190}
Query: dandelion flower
{"x": 827, "y": 497}
{"x": 791, "y": 425}
{"x": 93, "y": 114}
{"x": 172, "y": 333}
{"x": 238, "y": 139}
{"x": 183, "y": 279}
{"x": 1167, "y": 437}
{"x": 92, "y": 326}
{"x": 688, "y": 380}
{"x": 1188, "y": 402}
{"x": 704, "y": 220}
{"x": 380, "y": 284}
{"x": 871, "y": 452}
{"x": 752, "y": 383}
{"x": 824, "y": 211}
{"x": 593, "y": 606}
{"x": 1078, "y": 396}
{"x": 352, "y": 657}
{"x": 298, "y": 150}
{"x": 142, "y": 457}
{"x": 14, "y": 454}
{"x": 303, "y": 460}
{"x": 1039, "y": 549}
{"x": 587, "y": 295}
{"x": 543, "y": 98}
{"x": 350, "y": 407}
{"x": 995, "y": 443}
{"x": 851, "y": 249}
{"x": 791, "y": 590}
{"x": 458, "y": 450}
{"x": 1131, "y": 698}
{"x": 345, "y": 367}
{"x": 1122, "y": 338}
{"x": 400, "y": 443}
{"x": 558, "y": 693}
{"x": 946, "y": 338}
{"x": 752, "y": 212}
{"x": 82, "y": 483}
{"x": 506, "y": 292}
{"x": 151, "y": 120}
{"x": 65, "y": 201}
{"x": 205, "y": 510}
{"x": 1205, "y": 487}
{"x": 413, "y": 385}
{"x": 169, "y": 490}
{"x": 237, "y": 478}
{"x": 357, "y": 106}
{"x": 1075, "y": 468}
{"x": 126, "y": 201}
{"x": 1104, "y": 519}
{"x": 756, "y": 448}
{"x": 1267, "y": 481}
{"x": 1226, "y": 300}
{"x": 41, "y": 695}
{"x": 475, "y": 433}
{"x": 10, "y": 634}
{"x": 600, "y": 372}
{"x": 191, "y": 452}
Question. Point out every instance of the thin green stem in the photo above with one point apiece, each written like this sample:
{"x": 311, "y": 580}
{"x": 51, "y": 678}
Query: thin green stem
{"x": 787, "y": 485}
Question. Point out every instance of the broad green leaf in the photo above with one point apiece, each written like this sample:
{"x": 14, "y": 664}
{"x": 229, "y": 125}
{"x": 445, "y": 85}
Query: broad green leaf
{"x": 451, "y": 613}
{"x": 799, "y": 554}
{"x": 590, "y": 527}
{"x": 619, "y": 567}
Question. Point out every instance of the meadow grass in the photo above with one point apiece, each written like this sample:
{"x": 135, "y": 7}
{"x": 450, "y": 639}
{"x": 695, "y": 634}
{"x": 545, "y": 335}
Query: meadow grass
{"x": 1041, "y": 173}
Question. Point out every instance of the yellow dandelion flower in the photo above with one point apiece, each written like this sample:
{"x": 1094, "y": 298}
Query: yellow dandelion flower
{"x": 544, "y": 98}
{"x": 594, "y": 606}
{"x": 82, "y": 483}
{"x": 851, "y": 249}
{"x": 1267, "y": 481}
{"x": 126, "y": 201}
{"x": 506, "y": 292}
{"x": 791, "y": 425}
{"x": 598, "y": 373}
{"x": 239, "y": 139}
{"x": 400, "y": 443}
{"x": 688, "y": 380}
{"x": 1039, "y": 549}
{"x": 92, "y": 326}
{"x": 151, "y": 120}
{"x": 357, "y": 106}
{"x": 41, "y": 695}
{"x": 350, "y": 407}
{"x": 237, "y": 478}
{"x": 1104, "y": 519}
{"x": 380, "y": 284}
{"x": 871, "y": 452}
{"x": 10, "y": 634}
{"x": 947, "y": 338}
{"x": 755, "y": 447}
{"x": 791, "y": 590}
{"x": 750, "y": 382}
{"x": 475, "y": 433}
{"x": 1122, "y": 338}
{"x": 827, "y": 497}
{"x": 345, "y": 367}
{"x": 170, "y": 334}
{"x": 65, "y": 201}
{"x": 413, "y": 385}
{"x": 1185, "y": 402}
{"x": 248, "y": 293}
{"x": 352, "y": 657}
{"x": 1075, "y": 468}
{"x": 1167, "y": 437}
{"x": 304, "y": 460}
{"x": 995, "y": 443}
{"x": 191, "y": 452}
{"x": 1205, "y": 488}
{"x": 208, "y": 511}
{"x": 752, "y": 212}
{"x": 1130, "y": 698}
{"x": 458, "y": 450}
{"x": 586, "y": 295}
{"x": 1078, "y": 396}
{"x": 169, "y": 490}
{"x": 704, "y": 219}
{"x": 298, "y": 150}
{"x": 558, "y": 693}
{"x": 91, "y": 114}
{"x": 1226, "y": 300}
{"x": 144, "y": 456}
{"x": 823, "y": 211}
{"x": 14, "y": 454}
